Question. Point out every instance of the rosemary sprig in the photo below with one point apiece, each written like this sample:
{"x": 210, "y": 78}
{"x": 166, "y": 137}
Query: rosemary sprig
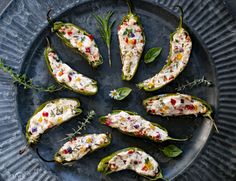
{"x": 81, "y": 126}
{"x": 22, "y": 80}
{"x": 105, "y": 30}
{"x": 194, "y": 83}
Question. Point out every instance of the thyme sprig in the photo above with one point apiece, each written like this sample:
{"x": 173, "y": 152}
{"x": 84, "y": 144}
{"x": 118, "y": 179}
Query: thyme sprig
{"x": 22, "y": 80}
{"x": 105, "y": 30}
{"x": 195, "y": 83}
{"x": 81, "y": 126}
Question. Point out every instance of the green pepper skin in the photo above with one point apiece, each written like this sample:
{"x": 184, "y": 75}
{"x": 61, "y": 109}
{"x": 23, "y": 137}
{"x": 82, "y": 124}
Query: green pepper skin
{"x": 103, "y": 164}
{"x": 142, "y": 85}
{"x": 50, "y": 49}
{"x": 207, "y": 114}
{"x": 57, "y": 25}
{"x": 28, "y": 134}
{"x": 102, "y": 120}
{"x": 132, "y": 14}
{"x": 59, "y": 159}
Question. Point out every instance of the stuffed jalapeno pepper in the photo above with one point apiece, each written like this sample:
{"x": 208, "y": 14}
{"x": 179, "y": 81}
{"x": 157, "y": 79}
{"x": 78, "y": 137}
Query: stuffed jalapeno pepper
{"x": 66, "y": 76}
{"x": 50, "y": 114}
{"x": 131, "y": 41}
{"x": 177, "y": 105}
{"x": 132, "y": 124}
{"x": 131, "y": 158}
{"x": 180, "y": 49}
{"x": 77, "y": 38}
{"x": 80, "y": 146}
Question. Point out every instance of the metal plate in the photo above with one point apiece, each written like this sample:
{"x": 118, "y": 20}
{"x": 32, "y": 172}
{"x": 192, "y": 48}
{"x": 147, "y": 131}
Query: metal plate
{"x": 22, "y": 42}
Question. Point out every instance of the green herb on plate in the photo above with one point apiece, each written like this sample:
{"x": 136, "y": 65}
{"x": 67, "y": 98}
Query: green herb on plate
{"x": 120, "y": 93}
{"x": 22, "y": 80}
{"x": 171, "y": 151}
{"x": 152, "y": 54}
{"x": 105, "y": 31}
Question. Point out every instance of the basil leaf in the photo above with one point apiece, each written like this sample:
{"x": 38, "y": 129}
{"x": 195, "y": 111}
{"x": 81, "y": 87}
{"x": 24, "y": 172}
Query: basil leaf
{"x": 123, "y": 92}
{"x": 171, "y": 151}
{"x": 152, "y": 54}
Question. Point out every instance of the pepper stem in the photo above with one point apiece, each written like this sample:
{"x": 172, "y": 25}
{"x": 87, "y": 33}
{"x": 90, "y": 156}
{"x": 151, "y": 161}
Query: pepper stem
{"x": 26, "y": 147}
{"x": 109, "y": 54}
{"x": 49, "y": 19}
{"x": 181, "y": 16}
{"x": 213, "y": 121}
{"x": 48, "y": 42}
{"x": 130, "y": 6}
{"x": 37, "y": 151}
{"x": 176, "y": 139}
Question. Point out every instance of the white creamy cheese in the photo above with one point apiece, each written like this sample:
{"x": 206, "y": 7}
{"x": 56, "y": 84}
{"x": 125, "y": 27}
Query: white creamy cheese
{"x": 180, "y": 51}
{"x": 131, "y": 43}
{"x": 80, "y": 146}
{"x": 179, "y": 104}
{"x": 54, "y": 113}
{"x": 84, "y": 43}
{"x": 136, "y": 125}
{"x": 135, "y": 160}
{"x": 64, "y": 74}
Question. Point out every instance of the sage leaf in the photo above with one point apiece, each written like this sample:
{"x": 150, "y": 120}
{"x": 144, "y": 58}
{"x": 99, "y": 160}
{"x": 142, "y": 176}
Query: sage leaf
{"x": 152, "y": 54}
{"x": 171, "y": 151}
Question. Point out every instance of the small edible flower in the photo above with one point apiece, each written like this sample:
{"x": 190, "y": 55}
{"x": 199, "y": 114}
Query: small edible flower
{"x": 114, "y": 94}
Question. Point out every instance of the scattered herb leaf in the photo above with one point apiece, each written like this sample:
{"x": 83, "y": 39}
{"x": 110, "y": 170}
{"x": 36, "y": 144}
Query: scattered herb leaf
{"x": 105, "y": 31}
{"x": 152, "y": 54}
{"x": 81, "y": 126}
{"x": 22, "y": 80}
{"x": 120, "y": 93}
{"x": 195, "y": 83}
{"x": 171, "y": 151}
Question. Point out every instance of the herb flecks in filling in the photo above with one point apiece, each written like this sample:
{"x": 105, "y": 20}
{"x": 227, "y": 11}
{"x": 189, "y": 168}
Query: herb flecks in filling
{"x": 81, "y": 146}
{"x": 83, "y": 42}
{"x": 135, "y": 160}
{"x": 131, "y": 40}
{"x": 174, "y": 105}
{"x": 181, "y": 46}
{"x": 65, "y": 74}
{"x": 53, "y": 113}
{"x": 135, "y": 125}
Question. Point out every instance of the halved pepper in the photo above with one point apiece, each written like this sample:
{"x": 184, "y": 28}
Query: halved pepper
{"x": 176, "y": 104}
{"x": 131, "y": 158}
{"x": 132, "y": 124}
{"x": 77, "y": 38}
{"x": 80, "y": 146}
{"x": 66, "y": 76}
{"x": 131, "y": 42}
{"x": 180, "y": 49}
{"x": 49, "y": 114}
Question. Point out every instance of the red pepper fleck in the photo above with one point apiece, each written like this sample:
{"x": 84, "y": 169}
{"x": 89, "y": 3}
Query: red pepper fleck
{"x": 69, "y": 77}
{"x": 153, "y": 111}
{"x": 119, "y": 28}
{"x": 134, "y": 41}
{"x": 126, "y": 39}
{"x": 65, "y": 151}
{"x": 91, "y": 37}
{"x": 189, "y": 107}
{"x": 108, "y": 122}
{"x": 158, "y": 136}
{"x": 87, "y": 50}
{"x": 69, "y": 33}
{"x": 45, "y": 114}
{"x": 173, "y": 101}
{"x": 171, "y": 78}
{"x": 130, "y": 151}
{"x": 145, "y": 168}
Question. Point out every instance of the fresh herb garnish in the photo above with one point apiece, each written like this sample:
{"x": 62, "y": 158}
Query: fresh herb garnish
{"x": 194, "y": 83}
{"x": 120, "y": 93}
{"x": 152, "y": 54}
{"x": 171, "y": 151}
{"x": 22, "y": 80}
{"x": 105, "y": 31}
{"x": 81, "y": 126}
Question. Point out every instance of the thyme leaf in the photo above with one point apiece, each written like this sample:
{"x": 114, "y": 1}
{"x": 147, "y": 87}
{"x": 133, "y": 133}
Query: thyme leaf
{"x": 22, "y": 80}
{"x": 82, "y": 126}
{"x": 195, "y": 83}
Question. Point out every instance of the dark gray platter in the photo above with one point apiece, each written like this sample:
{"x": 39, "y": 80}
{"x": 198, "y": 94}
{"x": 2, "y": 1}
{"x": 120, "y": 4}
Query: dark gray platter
{"x": 22, "y": 41}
